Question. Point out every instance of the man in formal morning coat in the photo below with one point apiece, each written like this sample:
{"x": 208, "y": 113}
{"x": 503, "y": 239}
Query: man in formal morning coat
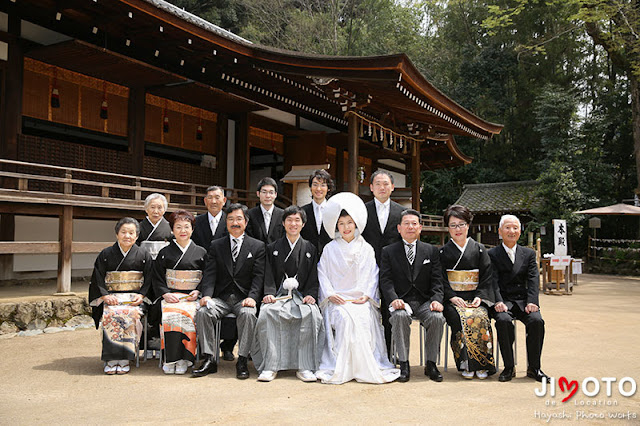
{"x": 232, "y": 282}
{"x": 516, "y": 284}
{"x": 411, "y": 279}
{"x": 209, "y": 227}
{"x": 383, "y": 217}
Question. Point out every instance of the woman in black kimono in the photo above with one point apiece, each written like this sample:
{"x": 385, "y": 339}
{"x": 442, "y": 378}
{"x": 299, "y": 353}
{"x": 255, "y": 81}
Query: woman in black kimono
{"x": 176, "y": 274}
{"x": 467, "y": 292}
{"x": 155, "y": 234}
{"x": 155, "y": 227}
{"x": 120, "y": 280}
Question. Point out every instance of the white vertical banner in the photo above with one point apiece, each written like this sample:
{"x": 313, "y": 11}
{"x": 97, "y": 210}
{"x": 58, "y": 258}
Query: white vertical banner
{"x": 560, "y": 237}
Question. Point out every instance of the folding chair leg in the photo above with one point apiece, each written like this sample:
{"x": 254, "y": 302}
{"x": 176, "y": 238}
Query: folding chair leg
{"x": 423, "y": 339}
{"x": 446, "y": 348}
{"x": 146, "y": 338}
{"x": 497, "y": 352}
{"x": 515, "y": 342}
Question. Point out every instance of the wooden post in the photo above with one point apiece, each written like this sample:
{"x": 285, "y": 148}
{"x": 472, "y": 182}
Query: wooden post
{"x": 415, "y": 176}
{"x": 222, "y": 136}
{"x": 241, "y": 169}
{"x": 66, "y": 247}
{"x": 7, "y": 233}
{"x": 352, "y": 147}
{"x": 138, "y": 192}
{"x": 193, "y": 196}
{"x": 338, "y": 174}
{"x": 11, "y": 122}
{"x": 135, "y": 128}
{"x": 68, "y": 188}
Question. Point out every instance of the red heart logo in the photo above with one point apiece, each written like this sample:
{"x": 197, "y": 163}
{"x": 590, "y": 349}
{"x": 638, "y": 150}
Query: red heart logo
{"x": 571, "y": 386}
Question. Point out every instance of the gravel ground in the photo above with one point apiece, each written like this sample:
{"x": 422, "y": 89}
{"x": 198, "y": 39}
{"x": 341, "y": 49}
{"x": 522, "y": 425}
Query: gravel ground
{"x": 58, "y": 379}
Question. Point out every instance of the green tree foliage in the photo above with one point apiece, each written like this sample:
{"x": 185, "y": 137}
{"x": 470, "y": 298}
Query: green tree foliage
{"x": 561, "y": 75}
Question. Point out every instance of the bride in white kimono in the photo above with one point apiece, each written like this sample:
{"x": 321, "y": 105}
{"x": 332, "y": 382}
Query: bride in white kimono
{"x": 349, "y": 299}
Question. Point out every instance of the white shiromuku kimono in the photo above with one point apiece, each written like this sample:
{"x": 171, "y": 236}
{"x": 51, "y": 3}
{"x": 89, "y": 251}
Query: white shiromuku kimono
{"x": 354, "y": 346}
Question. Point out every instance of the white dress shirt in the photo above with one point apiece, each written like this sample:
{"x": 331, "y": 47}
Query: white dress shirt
{"x": 267, "y": 216}
{"x": 511, "y": 252}
{"x": 214, "y": 221}
{"x": 317, "y": 211}
{"x": 382, "y": 210}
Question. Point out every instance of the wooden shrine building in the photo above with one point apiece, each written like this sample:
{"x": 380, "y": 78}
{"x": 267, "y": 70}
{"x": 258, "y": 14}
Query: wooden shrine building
{"x": 105, "y": 101}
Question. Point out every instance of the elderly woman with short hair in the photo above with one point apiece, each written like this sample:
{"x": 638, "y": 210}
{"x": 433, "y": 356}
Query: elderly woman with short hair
{"x": 154, "y": 227}
{"x": 121, "y": 279}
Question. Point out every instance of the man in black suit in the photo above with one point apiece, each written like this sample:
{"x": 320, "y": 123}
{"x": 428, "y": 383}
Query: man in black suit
{"x": 209, "y": 227}
{"x": 232, "y": 282}
{"x": 383, "y": 217}
{"x": 516, "y": 283}
{"x": 321, "y": 185}
{"x": 212, "y": 225}
{"x": 265, "y": 220}
{"x": 411, "y": 278}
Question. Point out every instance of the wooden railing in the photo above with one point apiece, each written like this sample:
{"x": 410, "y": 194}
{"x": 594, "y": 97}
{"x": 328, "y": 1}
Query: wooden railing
{"x": 50, "y": 247}
{"x": 102, "y": 189}
{"x": 432, "y": 223}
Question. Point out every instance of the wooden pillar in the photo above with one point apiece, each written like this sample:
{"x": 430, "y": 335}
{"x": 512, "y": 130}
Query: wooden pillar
{"x": 415, "y": 176}
{"x": 352, "y": 146}
{"x": 135, "y": 129}
{"x": 7, "y": 233}
{"x": 66, "y": 243}
{"x": 12, "y": 99}
{"x": 339, "y": 172}
{"x": 241, "y": 170}
{"x": 222, "y": 135}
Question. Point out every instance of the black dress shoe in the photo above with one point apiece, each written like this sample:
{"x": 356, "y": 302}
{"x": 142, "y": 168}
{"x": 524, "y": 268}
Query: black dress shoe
{"x": 507, "y": 374}
{"x": 209, "y": 366}
{"x": 537, "y": 374}
{"x": 228, "y": 356}
{"x": 432, "y": 372}
{"x": 405, "y": 372}
{"x": 242, "y": 372}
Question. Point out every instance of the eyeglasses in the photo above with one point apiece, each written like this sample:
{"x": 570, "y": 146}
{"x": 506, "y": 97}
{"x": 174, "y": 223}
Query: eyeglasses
{"x": 458, "y": 226}
{"x": 263, "y": 192}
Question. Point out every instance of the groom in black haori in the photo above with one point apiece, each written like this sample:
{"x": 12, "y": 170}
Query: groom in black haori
{"x": 289, "y": 332}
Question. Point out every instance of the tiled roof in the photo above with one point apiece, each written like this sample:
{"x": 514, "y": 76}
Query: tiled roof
{"x": 503, "y": 197}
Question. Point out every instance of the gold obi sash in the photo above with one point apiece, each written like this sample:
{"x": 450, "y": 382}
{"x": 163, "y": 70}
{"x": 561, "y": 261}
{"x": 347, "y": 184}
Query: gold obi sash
{"x": 153, "y": 247}
{"x": 124, "y": 280}
{"x": 464, "y": 280}
{"x": 183, "y": 280}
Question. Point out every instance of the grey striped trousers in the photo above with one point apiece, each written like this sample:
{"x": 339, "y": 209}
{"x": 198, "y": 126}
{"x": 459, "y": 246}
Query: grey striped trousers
{"x": 206, "y": 320}
{"x": 401, "y": 330}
